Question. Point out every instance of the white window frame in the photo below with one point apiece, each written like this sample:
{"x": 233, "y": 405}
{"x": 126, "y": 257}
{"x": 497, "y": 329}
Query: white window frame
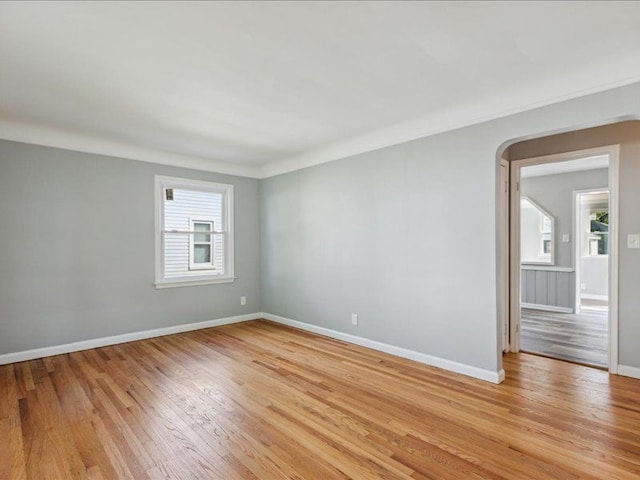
{"x": 164, "y": 182}
{"x": 192, "y": 243}
{"x": 541, "y": 233}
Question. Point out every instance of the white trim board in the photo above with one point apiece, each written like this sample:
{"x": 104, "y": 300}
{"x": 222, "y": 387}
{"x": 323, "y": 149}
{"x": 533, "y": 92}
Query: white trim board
{"x": 124, "y": 338}
{"x": 548, "y": 268}
{"x": 593, "y": 296}
{"x": 461, "y": 368}
{"x": 627, "y": 371}
{"x": 450, "y": 365}
{"x": 546, "y": 308}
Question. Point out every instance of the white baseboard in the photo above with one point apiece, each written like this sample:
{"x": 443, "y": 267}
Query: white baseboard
{"x": 547, "y": 308}
{"x": 487, "y": 375}
{"x": 627, "y": 371}
{"x": 593, "y": 296}
{"x": 116, "y": 339}
{"x": 475, "y": 372}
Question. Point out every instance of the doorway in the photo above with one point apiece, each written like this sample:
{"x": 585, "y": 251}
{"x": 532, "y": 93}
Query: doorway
{"x": 563, "y": 256}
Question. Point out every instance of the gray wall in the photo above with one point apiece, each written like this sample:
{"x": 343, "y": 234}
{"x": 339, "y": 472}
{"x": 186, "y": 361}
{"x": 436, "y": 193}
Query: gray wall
{"x": 627, "y": 135}
{"x": 406, "y": 236}
{"x": 374, "y": 235}
{"x": 555, "y": 194}
{"x": 77, "y": 252}
{"x": 594, "y": 276}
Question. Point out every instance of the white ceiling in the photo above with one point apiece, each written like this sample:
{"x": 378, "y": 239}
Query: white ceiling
{"x": 259, "y": 88}
{"x": 589, "y": 163}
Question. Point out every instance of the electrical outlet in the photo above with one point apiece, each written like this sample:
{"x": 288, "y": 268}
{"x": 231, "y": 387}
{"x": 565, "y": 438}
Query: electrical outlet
{"x": 633, "y": 241}
{"x": 243, "y": 300}
{"x": 354, "y": 319}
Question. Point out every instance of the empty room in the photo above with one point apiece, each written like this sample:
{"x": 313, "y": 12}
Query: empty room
{"x": 319, "y": 240}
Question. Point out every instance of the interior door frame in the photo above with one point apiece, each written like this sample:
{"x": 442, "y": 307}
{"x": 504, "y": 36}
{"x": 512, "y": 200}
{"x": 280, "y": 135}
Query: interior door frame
{"x": 514, "y": 285}
{"x": 503, "y": 256}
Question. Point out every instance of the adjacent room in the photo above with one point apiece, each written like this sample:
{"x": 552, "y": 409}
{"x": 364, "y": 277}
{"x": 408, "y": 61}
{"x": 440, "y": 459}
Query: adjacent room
{"x": 564, "y": 283}
{"x": 319, "y": 240}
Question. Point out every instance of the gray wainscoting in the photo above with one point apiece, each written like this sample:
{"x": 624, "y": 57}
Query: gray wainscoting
{"x": 548, "y": 287}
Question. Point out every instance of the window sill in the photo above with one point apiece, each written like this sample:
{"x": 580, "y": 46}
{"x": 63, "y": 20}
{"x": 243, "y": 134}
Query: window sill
{"x": 190, "y": 283}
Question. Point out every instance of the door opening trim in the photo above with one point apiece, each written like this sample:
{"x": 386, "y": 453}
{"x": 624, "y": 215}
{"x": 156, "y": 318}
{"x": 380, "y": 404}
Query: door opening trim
{"x": 514, "y": 284}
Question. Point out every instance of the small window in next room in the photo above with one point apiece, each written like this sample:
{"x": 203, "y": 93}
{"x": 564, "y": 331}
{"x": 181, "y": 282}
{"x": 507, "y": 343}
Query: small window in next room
{"x": 194, "y": 232}
{"x": 598, "y": 232}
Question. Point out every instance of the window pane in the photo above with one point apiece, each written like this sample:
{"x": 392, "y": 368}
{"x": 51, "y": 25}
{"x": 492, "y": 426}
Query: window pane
{"x": 536, "y": 233}
{"x": 202, "y": 254}
{"x": 201, "y": 227}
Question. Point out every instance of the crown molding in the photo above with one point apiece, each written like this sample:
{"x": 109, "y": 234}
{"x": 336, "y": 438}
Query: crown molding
{"x": 440, "y": 122}
{"x": 434, "y": 123}
{"x": 58, "y": 138}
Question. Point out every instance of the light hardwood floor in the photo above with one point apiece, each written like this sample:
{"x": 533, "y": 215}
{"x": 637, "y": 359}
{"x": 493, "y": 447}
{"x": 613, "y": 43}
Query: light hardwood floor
{"x": 581, "y": 338}
{"x": 262, "y": 401}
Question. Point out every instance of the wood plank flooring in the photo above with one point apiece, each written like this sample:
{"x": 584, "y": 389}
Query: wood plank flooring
{"x": 581, "y": 338}
{"x": 262, "y": 401}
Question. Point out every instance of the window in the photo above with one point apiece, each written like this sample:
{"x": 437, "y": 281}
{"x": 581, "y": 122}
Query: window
{"x": 536, "y": 233}
{"x": 598, "y": 232}
{"x": 545, "y": 230}
{"x": 194, "y": 232}
{"x": 593, "y": 223}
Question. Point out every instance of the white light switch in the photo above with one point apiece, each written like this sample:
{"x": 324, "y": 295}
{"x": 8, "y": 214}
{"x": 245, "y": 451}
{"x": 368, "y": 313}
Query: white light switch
{"x": 633, "y": 241}
{"x": 566, "y": 238}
